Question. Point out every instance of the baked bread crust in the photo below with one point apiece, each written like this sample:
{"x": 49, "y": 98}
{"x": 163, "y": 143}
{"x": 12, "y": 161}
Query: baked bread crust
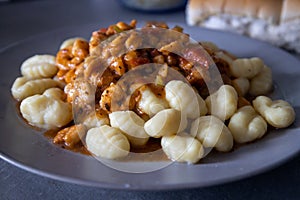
{"x": 290, "y": 10}
{"x": 272, "y": 11}
{"x": 274, "y": 21}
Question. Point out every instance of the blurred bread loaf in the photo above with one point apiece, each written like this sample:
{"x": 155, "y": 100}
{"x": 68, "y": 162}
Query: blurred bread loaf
{"x": 274, "y": 21}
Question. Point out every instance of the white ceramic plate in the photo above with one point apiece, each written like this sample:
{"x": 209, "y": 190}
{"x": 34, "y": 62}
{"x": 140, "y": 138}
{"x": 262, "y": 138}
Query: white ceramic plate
{"x": 30, "y": 150}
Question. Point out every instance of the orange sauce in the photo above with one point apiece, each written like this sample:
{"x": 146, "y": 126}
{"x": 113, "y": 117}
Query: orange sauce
{"x": 78, "y": 148}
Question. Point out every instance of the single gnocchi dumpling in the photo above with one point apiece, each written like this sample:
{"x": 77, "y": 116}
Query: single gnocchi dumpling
{"x": 55, "y": 93}
{"x": 39, "y": 66}
{"x": 182, "y": 97}
{"x": 166, "y": 122}
{"x": 246, "y": 125}
{"x": 93, "y": 120}
{"x": 222, "y": 103}
{"x": 107, "y": 142}
{"x": 212, "y": 133}
{"x": 241, "y": 85}
{"x": 46, "y": 111}
{"x": 24, "y": 87}
{"x": 182, "y": 148}
{"x": 246, "y": 67}
{"x": 278, "y": 113}
{"x": 130, "y": 124}
{"x": 150, "y": 103}
{"x": 262, "y": 83}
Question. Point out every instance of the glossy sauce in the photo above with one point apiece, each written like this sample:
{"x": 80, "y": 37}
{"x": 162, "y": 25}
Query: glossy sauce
{"x": 150, "y": 152}
{"x": 78, "y": 148}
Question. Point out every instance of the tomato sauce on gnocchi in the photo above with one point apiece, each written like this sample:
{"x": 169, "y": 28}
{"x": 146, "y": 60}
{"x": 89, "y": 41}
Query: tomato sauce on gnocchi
{"x": 147, "y": 99}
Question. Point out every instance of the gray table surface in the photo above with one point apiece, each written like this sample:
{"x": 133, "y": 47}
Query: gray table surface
{"x": 22, "y": 19}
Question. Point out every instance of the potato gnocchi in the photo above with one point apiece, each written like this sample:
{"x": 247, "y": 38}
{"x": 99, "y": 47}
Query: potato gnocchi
{"x": 130, "y": 124}
{"x": 113, "y": 117}
{"x": 150, "y": 103}
{"x": 93, "y": 121}
{"x": 241, "y": 85}
{"x": 262, "y": 83}
{"x": 278, "y": 113}
{"x": 212, "y": 132}
{"x": 107, "y": 142}
{"x": 182, "y": 148}
{"x": 166, "y": 122}
{"x": 24, "y": 87}
{"x": 246, "y": 67}
{"x": 46, "y": 110}
{"x": 183, "y": 98}
{"x": 247, "y": 125}
{"x": 222, "y": 103}
{"x": 39, "y": 66}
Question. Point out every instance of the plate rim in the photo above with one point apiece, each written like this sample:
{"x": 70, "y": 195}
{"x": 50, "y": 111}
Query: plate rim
{"x": 18, "y": 164}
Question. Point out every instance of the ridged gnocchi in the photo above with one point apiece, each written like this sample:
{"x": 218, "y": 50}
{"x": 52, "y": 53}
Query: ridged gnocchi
{"x": 212, "y": 133}
{"x": 166, "y": 122}
{"x": 92, "y": 121}
{"x": 278, "y": 113}
{"x": 24, "y": 87}
{"x": 222, "y": 103}
{"x": 150, "y": 103}
{"x": 55, "y": 93}
{"x": 262, "y": 83}
{"x": 107, "y": 142}
{"x": 246, "y": 67}
{"x": 241, "y": 85}
{"x": 182, "y": 97}
{"x": 182, "y": 148}
{"x": 46, "y": 111}
{"x": 130, "y": 124}
{"x": 39, "y": 66}
{"x": 116, "y": 110}
{"x": 246, "y": 125}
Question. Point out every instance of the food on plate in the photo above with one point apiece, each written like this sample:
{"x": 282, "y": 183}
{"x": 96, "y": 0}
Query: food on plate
{"x": 261, "y": 83}
{"x": 107, "y": 142}
{"x": 182, "y": 97}
{"x": 149, "y": 103}
{"x": 70, "y": 42}
{"x": 212, "y": 133}
{"x": 166, "y": 122}
{"x": 70, "y": 59}
{"x": 117, "y": 92}
{"x": 48, "y": 110}
{"x": 39, "y": 66}
{"x": 223, "y": 103}
{"x": 131, "y": 125}
{"x": 278, "y": 113}
{"x": 182, "y": 148}
{"x": 24, "y": 87}
{"x": 246, "y": 67}
{"x": 241, "y": 85}
{"x": 247, "y": 125}
{"x": 277, "y": 22}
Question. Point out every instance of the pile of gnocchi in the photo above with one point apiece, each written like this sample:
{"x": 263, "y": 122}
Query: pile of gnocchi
{"x": 187, "y": 124}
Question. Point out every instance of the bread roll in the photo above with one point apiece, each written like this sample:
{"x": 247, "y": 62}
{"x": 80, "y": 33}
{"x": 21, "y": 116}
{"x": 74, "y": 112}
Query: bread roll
{"x": 290, "y": 10}
{"x": 274, "y": 21}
